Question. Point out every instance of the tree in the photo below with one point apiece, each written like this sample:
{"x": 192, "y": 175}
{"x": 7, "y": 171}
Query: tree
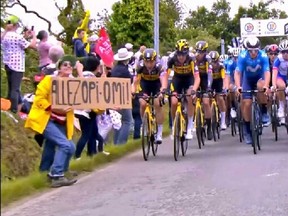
{"x": 131, "y": 21}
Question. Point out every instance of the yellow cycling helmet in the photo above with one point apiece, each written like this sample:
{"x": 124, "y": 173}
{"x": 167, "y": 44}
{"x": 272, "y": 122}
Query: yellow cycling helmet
{"x": 214, "y": 55}
{"x": 149, "y": 54}
{"x": 201, "y": 46}
{"x": 182, "y": 46}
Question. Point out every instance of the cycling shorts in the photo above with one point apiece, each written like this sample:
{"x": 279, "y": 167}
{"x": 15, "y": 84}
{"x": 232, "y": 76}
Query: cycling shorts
{"x": 148, "y": 87}
{"x": 180, "y": 84}
{"x": 249, "y": 84}
{"x": 217, "y": 85}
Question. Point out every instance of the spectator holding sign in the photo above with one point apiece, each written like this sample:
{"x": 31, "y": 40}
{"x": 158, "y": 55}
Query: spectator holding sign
{"x": 121, "y": 71}
{"x": 56, "y": 125}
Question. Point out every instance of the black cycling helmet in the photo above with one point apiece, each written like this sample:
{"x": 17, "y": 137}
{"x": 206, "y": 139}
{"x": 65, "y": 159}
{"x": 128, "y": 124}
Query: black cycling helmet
{"x": 149, "y": 54}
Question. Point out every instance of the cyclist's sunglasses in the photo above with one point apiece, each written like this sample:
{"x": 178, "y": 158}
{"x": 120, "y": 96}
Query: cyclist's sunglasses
{"x": 253, "y": 50}
{"x": 274, "y": 54}
{"x": 284, "y": 51}
{"x": 200, "y": 51}
{"x": 179, "y": 53}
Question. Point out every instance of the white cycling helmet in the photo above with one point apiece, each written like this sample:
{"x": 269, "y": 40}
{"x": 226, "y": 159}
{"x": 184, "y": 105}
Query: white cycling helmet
{"x": 224, "y": 57}
{"x": 236, "y": 52}
{"x": 283, "y": 45}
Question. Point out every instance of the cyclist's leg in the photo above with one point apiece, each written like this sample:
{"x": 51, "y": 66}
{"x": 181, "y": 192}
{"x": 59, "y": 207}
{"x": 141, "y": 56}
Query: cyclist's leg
{"x": 262, "y": 98}
{"x": 206, "y": 105}
{"x": 246, "y": 106}
{"x": 281, "y": 96}
{"x": 232, "y": 98}
{"x": 190, "y": 107}
{"x": 144, "y": 90}
{"x": 218, "y": 86}
{"x": 159, "y": 114}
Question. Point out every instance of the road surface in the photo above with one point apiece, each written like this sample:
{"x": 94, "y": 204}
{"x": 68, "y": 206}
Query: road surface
{"x": 222, "y": 179}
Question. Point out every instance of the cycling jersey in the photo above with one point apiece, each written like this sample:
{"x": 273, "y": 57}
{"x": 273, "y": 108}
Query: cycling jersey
{"x": 218, "y": 74}
{"x": 226, "y": 62}
{"x": 252, "y": 70}
{"x": 204, "y": 68}
{"x": 231, "y": 66}
{"x": 183, "y": 73}
{"x": 150, "y": 80}
{"x": 281, "y": 66}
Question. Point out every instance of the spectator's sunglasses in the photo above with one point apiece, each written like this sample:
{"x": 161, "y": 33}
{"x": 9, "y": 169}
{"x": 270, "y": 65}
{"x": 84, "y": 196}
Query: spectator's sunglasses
{"x": 66, "y": 64}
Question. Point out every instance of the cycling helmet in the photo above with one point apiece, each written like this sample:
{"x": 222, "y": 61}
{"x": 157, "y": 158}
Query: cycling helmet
{"x": 252, "y": 43}
{"x": 201, "y": 46}
{"x": 273, "y": 48}
{"x": 224, "y": 57}
{"x": 182, "y": 46}
{"x": 214, "y": 55}
{"x": 236, "y": 52}
{"x": 283, "y": 45}
{"x": 149, "y": 55}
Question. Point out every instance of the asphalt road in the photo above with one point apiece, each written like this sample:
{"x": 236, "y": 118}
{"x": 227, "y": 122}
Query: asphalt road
{"x": 222, "y": 179}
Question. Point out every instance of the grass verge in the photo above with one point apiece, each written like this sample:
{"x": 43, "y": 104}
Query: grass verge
{"x": 21, "y": 187}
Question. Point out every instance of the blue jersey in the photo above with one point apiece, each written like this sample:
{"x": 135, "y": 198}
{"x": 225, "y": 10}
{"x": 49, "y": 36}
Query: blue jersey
{"x": 226, "y": 62}
{"x": 231, "y": 66}
{"x": 281, "y": 66}
{"x": 255, "y": 68}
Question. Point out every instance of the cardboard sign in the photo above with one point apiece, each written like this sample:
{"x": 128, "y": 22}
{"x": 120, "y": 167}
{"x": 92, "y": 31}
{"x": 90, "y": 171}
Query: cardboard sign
{"x": 83, "y": 93}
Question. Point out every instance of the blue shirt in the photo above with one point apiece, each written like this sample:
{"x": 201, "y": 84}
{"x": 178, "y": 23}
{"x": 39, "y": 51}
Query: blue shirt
{"x": 231, "y": 66}
{"x": 281, "y": 66}
{"x": 226, "y": 62}
{"x": 253, "y": 68}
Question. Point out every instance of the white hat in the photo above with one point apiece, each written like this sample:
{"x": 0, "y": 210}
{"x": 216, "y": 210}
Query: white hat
{"x": 93, "y": 38}
{"x": 122, "y": 55}
{"x": 128, "y": 46}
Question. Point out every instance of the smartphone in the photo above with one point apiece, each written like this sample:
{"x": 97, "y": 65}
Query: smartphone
{"x": 32, "y": 28}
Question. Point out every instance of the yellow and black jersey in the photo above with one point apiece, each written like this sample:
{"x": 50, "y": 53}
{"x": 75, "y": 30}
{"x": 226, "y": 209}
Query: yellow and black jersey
{"x": 188, "y": 68}
{"x": 144, "y": 74}
{"x": 218, "y": 71}
{"x": 204, "y": 64}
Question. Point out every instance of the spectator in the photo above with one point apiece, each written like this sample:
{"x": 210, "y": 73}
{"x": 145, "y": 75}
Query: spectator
{"x": 138, "y": 54}
{"x": 14, "y": 45}
{"x": 121, "y": 71}
{"x": 56, "y": 125}
{"x": 43, "y": 49}
{"x": 78, "y": 45}
{"x": 87, "y": 118}
{"x": 93, "y": 41}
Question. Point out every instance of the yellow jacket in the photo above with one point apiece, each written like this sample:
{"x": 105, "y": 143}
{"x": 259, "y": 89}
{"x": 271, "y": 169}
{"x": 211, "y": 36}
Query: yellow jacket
{"x": 38, "y": 116}
{"x": 84, "y": 26}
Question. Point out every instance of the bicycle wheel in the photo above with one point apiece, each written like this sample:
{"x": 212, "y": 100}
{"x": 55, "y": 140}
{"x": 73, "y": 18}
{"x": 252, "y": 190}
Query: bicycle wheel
{"x": 199, "y": 129}
{"x": 254, "y": 129}
{"x": 184, "y": 141}
{"x": 146, "y": 139}
{"x": 177, "y": 138}
{"x": 259, "y": 126}
{"x": 274, "y": 120}
{"x": 240, "y": 122}
{"x": 286, "y": 116}
{"x": 214, "y": 122}
{"x": 154, "y": 145}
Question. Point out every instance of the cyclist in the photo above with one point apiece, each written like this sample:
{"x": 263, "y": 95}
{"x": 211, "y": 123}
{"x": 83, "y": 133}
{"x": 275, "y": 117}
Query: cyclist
{"x": 152, "y": 79}
{"x": 218, "y": 75}
{"x": 203, "y": 61}
{"x": 186, "y": 77}
{"x": 229, "y": 79}
{"x": 272, "y": 52}
{"x": 253, "y": 66}
{"x": 280, "y": 77}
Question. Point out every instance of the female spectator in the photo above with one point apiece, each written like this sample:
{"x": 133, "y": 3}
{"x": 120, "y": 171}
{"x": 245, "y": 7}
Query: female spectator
{"x": 13, "y": 46}
{"x": 43, "y": 49}
{"x": 56, "y": 125}
{"x": 87, "y": 118}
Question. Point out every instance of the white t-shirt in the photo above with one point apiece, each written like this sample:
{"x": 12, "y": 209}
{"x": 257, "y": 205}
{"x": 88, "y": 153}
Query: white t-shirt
{"x": 13, "y": 47}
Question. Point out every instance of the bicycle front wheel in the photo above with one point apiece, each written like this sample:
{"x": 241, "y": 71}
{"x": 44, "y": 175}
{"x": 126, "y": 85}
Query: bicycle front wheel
{"x": 154, "y": 145}
{"x": 184, "y": 141}
{"x": 177, "y": 138}
{"x": 146, "y": 139}
{"x": 240, "y": 122}
{"x": 254, "y": 127}
{"x": 274, "y": 120}
{"x": 199, "y": 129}
{"x": 214, "y": 121}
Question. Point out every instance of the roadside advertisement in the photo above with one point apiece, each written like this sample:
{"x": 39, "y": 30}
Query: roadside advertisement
{"x": 263, "y": 28}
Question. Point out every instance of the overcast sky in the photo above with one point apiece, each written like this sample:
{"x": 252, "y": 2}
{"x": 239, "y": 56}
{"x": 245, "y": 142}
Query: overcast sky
{"x": 48, "y": 10}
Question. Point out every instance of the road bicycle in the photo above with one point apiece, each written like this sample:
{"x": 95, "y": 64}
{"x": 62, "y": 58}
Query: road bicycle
{"x": 149, "y": 126}
{"x": 180, "y": 125}
{"x": 199, "y": 119}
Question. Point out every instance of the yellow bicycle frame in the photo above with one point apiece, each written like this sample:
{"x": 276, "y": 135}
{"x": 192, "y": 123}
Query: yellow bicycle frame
{"x": 151, "y": 119}
{"x": 213, "y": 102}
{"x": 182, "y": 119}
{"x": 198, "y": 105}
